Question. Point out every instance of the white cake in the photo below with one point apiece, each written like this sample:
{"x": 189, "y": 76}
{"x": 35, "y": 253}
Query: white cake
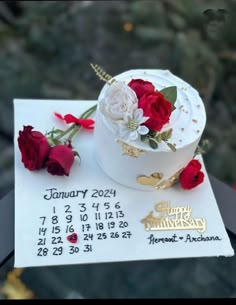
{"x": 134, "y": 163}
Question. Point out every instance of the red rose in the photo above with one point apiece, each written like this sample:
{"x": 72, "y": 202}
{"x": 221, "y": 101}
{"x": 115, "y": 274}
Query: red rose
{"x": 141, "y": 87}
{"x": 60, "y": 160}
{"x": 34, "y": 148}
{"x": 191, "y": 176}
{"x": 157, "y": 108}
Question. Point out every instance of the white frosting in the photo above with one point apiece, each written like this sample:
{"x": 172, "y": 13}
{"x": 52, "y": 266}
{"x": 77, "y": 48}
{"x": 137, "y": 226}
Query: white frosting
{"x": 187, "y": 121}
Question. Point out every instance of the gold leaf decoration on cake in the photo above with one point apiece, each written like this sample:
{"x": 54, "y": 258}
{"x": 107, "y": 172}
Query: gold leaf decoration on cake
{"x": 152, "y": 180}
{"x": 155, "y": 180}
{"x": 102, "y": 74}
{"x": 169, "y": 182}
{"x": 130, "y": 150}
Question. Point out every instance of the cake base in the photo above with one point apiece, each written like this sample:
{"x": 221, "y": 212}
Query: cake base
{"x": 113, "y": 223}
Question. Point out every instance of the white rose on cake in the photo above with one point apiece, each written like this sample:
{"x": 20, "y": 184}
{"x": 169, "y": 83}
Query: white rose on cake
{"x": 120, "y": 100}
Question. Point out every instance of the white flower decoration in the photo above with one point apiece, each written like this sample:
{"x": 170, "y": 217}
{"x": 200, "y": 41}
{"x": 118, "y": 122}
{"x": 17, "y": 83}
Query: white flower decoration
{"x": 119, "y": 99}
{"x": 131, "y": 128}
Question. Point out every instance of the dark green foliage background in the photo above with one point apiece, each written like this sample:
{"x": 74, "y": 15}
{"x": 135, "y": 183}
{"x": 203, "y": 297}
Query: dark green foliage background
{"x": 46, "y": 52}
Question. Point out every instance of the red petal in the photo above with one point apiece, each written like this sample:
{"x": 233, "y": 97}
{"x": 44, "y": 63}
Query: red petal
{"x": 59, "y": 116}
{"x": 69, "y": 118}
{"x": 86, "y": 123}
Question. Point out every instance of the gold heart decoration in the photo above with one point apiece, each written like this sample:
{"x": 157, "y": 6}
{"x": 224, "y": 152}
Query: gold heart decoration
{"x": 152, "y": 180}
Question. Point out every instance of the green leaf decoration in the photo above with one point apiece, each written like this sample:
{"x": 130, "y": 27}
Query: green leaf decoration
{"x": 144, "y": 137}
{"x": 171, "y": 146}
{"x": 153, "y": 143}
{"x": 165, "y": 135}
{"x": 170, "y": 94}
{"x": 102, "y": 74}
{"x": 152, "y": 133}
{"x": 159, "y": 137}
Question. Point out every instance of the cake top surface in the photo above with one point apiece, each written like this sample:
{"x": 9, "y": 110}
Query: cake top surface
{"x": 187, "y": 120}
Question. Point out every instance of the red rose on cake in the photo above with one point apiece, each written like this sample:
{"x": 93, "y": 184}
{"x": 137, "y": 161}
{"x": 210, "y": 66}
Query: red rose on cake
{"x": 157, "y": 108}
{"x": 192, "y": 175}
{"x": 141, "y": 87}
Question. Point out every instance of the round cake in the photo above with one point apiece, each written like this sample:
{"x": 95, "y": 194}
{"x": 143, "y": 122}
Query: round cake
{"x": 148, "y": 126}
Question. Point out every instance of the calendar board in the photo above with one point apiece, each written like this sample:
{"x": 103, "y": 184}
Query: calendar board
{"x": 89, "y": 218}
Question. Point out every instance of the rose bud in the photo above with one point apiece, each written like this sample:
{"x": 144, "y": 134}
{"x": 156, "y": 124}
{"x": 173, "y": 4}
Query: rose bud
{"x": 60, "y": 160}
{"x": 192, "y": 175}
{"x": 34, "y": 148}
{"x": 141, "y": 87}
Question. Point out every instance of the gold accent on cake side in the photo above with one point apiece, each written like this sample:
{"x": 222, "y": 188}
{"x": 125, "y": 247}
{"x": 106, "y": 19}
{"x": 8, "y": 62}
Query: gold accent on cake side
{"x": 155, "y": 180}
{"x": 130, "y": 150}
{"x": 152, "y": 180}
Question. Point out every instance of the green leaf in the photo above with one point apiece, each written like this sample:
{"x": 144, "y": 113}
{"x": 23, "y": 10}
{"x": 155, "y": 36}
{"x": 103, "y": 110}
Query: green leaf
{"x": 165, "y": 135}
{"x": 144, "y": 137}
{"x": 57, "y": 131}
{"x": 76, "y": 154}
{"x": 159, "y": 137}
{"x": 55, "y": 141}
{"x": 170, "y": 94}
{"x": 152, "y": 133}
{"x": 153, "y": 143}
{"x": 54, "y": 131}
{"x": 171, "y": 146}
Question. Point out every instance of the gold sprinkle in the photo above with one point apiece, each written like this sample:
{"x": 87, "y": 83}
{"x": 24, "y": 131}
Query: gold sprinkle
{"x": 186, "y": 99}
{"x": 130, "y": 150}
{"x": 194, "y": 120}
{"x": 181, "y": 106}
{"x": 182, "y": 129}
{"x": 180, "y": 140}
{"x": 198, "y": 106}
{"x": 198, "y": 131}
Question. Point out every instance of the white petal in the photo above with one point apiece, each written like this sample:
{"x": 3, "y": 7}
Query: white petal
{"x": 125, "y": 137}
{"x": 143, "y": 130}
{"x": 127, "y": 117}
{"x": 144, "y": 119}
{"x": 133, "y": 135}
{"x": 138, "y": 114}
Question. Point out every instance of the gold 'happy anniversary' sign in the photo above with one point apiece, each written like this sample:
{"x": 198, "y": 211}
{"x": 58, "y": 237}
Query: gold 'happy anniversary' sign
{"x": 173, "y": 218}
